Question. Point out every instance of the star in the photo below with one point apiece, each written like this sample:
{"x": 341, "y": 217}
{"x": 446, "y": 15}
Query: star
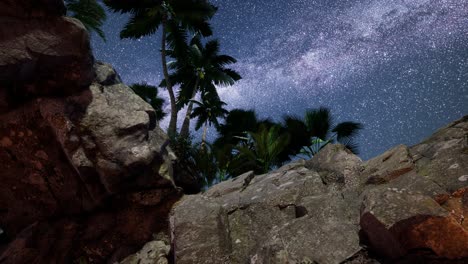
{"x": 399, "y": 67}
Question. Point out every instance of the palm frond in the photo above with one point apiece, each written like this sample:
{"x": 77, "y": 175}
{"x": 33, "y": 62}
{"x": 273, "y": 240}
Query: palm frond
{"x": 211, "y": 48}
{"x": 318, "y": 122}
{"x": 347, "y": 129}
{"x": 90, "y": 13}
{"x": 223, "y": 60}
{"x": 126, "y": 6}
{"x": 141, "y": 24}
{"x": 177, "y": 41}
{"x": 149, "y": 94}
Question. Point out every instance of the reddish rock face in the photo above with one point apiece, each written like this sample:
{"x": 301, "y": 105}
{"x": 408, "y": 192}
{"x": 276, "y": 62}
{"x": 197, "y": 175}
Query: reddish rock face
{"x": 443, "y": 235}
{"x": 43, "y": 53}
{"x": 85, "y": 172}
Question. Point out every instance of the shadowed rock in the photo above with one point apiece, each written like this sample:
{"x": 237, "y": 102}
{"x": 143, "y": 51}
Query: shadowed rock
{"x": 86, "y": 172}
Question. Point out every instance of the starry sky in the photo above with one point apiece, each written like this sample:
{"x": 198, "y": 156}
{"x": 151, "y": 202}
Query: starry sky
{"x": 400, "y": 67}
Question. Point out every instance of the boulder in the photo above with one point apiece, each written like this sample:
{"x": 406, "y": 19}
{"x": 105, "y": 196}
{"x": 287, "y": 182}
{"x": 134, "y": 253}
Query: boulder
{"x": 267, "y": 219}
{"x": 86, "y": 172}
{"x": 396, "y": 208}
{"x": 442, "y": 157}
{"x": 66, "y": 157}
{"x": 154, "y": 252}
{"x": 337, "y": 165}
{"x": 41, "y": 52}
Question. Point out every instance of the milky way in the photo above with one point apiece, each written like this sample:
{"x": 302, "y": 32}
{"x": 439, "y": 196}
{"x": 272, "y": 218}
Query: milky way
{"x": 400, "y": 67}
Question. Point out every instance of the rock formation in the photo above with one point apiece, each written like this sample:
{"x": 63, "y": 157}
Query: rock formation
{"x": 407, "y": 205}
{"x": 87, "y": 177}
{"x": 85, "y": 171}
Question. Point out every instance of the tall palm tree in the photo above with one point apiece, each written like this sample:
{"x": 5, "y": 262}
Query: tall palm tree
{"x": 207, "y": 112}
{"x": 172, "y": 15}
{"x": 200, "y": 68}
{"x": 89, "y": 12}
{"x": 149, "y": 93}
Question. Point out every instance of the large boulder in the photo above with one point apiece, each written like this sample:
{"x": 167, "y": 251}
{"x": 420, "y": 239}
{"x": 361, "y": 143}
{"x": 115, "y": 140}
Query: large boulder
{"x": 41, "y": 51}
{"x": 86, "y": 172}
{"x": 286, "y": 216}
{"x": 97, "y": 156}
{"x": 407, "y": 205}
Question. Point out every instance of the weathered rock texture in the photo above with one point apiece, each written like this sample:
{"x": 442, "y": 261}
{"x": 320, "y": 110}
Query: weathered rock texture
{"x": 407, "y": 205}
{"x": 85, "y": 172}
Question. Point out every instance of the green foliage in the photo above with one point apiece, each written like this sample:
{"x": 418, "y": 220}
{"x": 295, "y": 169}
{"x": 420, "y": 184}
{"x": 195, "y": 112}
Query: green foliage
{"x": 183, "y": 148}
{"x": 262, "y": 148}
{"x": 208, "y": 110}
{"x": 236, "y": 124}
{"x": 199, "y": 67}
{"x": 176, "y": 18}
{"x": 89, "y": 12}
{"x": 147, "y": 15}
{"x": 319, "y": 124}
{"x": 149, "y": 93}
{"x": 244, "y": 142}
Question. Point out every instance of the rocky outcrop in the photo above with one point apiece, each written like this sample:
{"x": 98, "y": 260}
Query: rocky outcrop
{"x": 41, "y": 51}
{"x": 407, "y": 205}
{"x": 86, "y": 172}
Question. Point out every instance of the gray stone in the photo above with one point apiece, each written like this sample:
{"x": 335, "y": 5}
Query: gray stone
{"x": 105, "y": 74}
{"x": 337, "y": 165}
{"x": 442, "y": 158}
{"x": 388, "y": 166}
{"x": 322, "y": 210}
{"x": 154, "y": 252}
{"x": 268, "y": 221}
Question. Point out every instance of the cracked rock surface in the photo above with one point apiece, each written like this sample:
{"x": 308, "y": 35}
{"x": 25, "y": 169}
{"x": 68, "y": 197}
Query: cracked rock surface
{"x": 407, "y": 205}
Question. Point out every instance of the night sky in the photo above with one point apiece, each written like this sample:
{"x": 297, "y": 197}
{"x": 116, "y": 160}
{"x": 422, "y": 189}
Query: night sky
{"x": 400, "y": 67}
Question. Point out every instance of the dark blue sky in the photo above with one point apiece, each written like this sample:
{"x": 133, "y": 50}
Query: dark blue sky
{"x": 400, "y": 67}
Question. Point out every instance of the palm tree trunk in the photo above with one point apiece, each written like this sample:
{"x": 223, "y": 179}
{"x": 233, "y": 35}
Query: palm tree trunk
{"x": 205, "y": 129}
{"x": 171, "y": 131}
{"x": 184, "y": 131}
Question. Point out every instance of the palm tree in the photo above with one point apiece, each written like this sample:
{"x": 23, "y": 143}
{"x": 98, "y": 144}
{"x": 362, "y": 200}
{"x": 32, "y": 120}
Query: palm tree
{"x": 200, "y": 68}
{"x": 319, "y": 123}
{"x": 236, "y": 124}
{"x": 262, "y": 149}
{"x": 149, "y": 93}
{"x": 208, "y": 111}
{"x": 89, "y": 12}
{"x": 171, "y": 15}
